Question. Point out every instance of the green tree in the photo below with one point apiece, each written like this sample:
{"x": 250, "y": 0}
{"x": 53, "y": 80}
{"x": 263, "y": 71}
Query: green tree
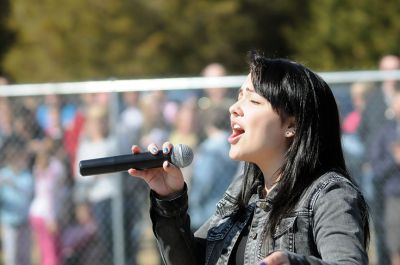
{"x": 343, "y": 34}
{"x": 70, "y": 41}
{"x": 6, "y": 35}
{"x": 123, "y": 39}
{"x": 101, "y": 39}
{"x": 93, "y": 39}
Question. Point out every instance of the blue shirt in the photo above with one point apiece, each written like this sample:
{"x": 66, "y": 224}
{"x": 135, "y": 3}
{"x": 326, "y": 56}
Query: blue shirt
{"x": 213, "y": 171}
{"x": 16, "y": 191}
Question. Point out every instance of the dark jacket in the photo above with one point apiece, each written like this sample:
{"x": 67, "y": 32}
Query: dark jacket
{"x": 386, "y": 170}
{"x": 372, "y": 115}
{"x": 326, "y": 227}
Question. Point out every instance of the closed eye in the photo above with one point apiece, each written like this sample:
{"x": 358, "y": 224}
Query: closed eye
{"x": 255, "y": 102}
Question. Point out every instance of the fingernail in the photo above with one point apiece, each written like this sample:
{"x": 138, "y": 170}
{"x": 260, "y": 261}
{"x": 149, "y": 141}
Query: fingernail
{"x": 165, "y": 150}
{"x": 154, "y": 150}
{"x": 263, "y": 263}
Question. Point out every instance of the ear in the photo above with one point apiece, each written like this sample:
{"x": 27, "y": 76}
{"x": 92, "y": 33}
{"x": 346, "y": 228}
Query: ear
{"x": 290, "y": 127}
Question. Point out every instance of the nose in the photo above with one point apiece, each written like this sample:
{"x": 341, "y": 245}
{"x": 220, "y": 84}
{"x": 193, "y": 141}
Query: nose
{"x": 235, "y": 109}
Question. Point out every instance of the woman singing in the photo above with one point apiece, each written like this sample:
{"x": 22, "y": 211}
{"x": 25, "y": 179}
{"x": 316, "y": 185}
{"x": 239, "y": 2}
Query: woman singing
{"x": 295, "y": 202}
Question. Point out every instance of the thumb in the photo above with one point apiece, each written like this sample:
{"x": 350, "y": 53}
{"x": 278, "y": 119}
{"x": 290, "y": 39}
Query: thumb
{"x": 276, "y": 258}
{"x": 175, "y": 179}
{"x": 170, "y": 168}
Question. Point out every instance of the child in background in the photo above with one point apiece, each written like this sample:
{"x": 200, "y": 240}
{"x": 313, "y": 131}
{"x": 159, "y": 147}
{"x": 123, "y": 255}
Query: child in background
{"x": 78, "y": 239}
{"x": 98, "y": 190}
{"x": 16, "y": 190}
{"x": 49, "y": 174}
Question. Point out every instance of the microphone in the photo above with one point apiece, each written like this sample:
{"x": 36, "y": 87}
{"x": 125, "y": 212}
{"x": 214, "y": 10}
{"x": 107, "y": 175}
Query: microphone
{"x": 181, "y": 156}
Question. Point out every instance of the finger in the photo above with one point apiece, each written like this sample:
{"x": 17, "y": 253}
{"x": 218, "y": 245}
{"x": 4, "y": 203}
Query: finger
{"x": 167, "y": 147}
{"x": 167, "y": 166}
{"x": 135, "y": 149}
{"x": 152, "y": 148}
{"x": 138, "y": 173}
{"x": 277, "y": 258}
{"x": 175, "y": 181}
{"x": 134, "y": 172}
{"x": 146, "y": 175}
{"x": 170, "y": 168}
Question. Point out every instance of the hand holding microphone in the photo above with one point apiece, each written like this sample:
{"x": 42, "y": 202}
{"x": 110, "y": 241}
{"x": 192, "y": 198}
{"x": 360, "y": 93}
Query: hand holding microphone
{"x": 160, "y": 169}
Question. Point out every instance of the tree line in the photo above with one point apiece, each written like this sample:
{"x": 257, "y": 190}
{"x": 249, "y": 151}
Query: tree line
{"x": 49, "y": 41}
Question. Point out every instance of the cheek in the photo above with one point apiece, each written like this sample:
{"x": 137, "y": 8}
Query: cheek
{"x": 271, "y": 134}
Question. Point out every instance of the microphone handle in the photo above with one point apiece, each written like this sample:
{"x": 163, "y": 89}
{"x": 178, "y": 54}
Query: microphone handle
{"x": 122, "y": 162}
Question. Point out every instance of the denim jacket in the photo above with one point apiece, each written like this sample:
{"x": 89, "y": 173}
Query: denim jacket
{"x": 326, "y": 227}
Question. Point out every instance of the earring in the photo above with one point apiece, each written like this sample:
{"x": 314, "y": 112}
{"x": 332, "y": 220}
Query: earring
{"x": 289, "y": 133}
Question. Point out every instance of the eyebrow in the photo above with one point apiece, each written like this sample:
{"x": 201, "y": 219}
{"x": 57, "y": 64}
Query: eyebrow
{"x": 247, "y": 89}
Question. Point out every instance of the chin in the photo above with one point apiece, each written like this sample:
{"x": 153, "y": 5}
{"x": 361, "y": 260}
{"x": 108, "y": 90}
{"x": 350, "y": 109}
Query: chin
{"x": 234, "y": 154}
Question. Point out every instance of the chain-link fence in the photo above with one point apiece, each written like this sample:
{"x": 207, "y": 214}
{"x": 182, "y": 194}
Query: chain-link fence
{"x": 50, "y": 212}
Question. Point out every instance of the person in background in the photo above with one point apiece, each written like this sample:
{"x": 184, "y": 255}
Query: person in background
{"x": 16, "y": 192}
{"x": 359, "y": 92}
{"x": 353, "y": 147}
{"x": 3, "y": 81}
{"x": 213, "y": 170}
{"x": 54, "y": 129}
{"x": 79, "y": 239}
{"x": 54, "y": 115}
{"x": 184, "y": 129}
{"x": 49, "y": 174}
{"x": 378, "y": 101}
{"x": 377, "y": 110}
{"x": 98, "y": 190}
{"x": 26, "y": 127}
{"x": 155, "y": 128}
{"x": 73, "y": 130}
{"x": 213, "y": 97}
{"x": 130, "y": 121}
{"x": 6, "y": 119}
{"x": 385, "y": 154}
{"x": 295, "y": 203}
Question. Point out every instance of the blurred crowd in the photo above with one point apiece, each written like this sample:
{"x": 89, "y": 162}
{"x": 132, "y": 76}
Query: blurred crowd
{"x": 46, "y": 207}
{"x": 371, "y": 142}
{"x": 52, "y": 215}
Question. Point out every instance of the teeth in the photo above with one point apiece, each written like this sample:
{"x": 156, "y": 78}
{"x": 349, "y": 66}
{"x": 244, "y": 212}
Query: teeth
{"x": 236, "y": 126}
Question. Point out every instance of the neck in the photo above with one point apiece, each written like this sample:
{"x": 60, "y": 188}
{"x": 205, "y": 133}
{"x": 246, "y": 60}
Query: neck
{"x": 271, "y": 172}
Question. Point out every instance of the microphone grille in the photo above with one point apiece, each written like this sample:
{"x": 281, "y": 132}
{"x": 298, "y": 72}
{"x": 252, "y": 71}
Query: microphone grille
{"x": 182, "y": 155}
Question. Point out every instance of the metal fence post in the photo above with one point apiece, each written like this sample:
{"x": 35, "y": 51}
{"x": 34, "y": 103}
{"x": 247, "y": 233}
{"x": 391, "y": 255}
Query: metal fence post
{"x": 117, "y": 202}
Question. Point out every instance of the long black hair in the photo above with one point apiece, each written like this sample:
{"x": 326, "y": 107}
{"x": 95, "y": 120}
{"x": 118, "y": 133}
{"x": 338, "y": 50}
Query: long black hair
{"x": 295, "y": 91}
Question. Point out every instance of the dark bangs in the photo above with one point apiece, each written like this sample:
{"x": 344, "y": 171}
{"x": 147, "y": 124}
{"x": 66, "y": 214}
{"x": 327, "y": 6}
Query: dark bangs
{"x": 272, "y": 80}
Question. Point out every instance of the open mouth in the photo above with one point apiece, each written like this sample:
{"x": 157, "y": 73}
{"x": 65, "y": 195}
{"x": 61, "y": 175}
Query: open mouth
{"x": 237, "y": 131}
